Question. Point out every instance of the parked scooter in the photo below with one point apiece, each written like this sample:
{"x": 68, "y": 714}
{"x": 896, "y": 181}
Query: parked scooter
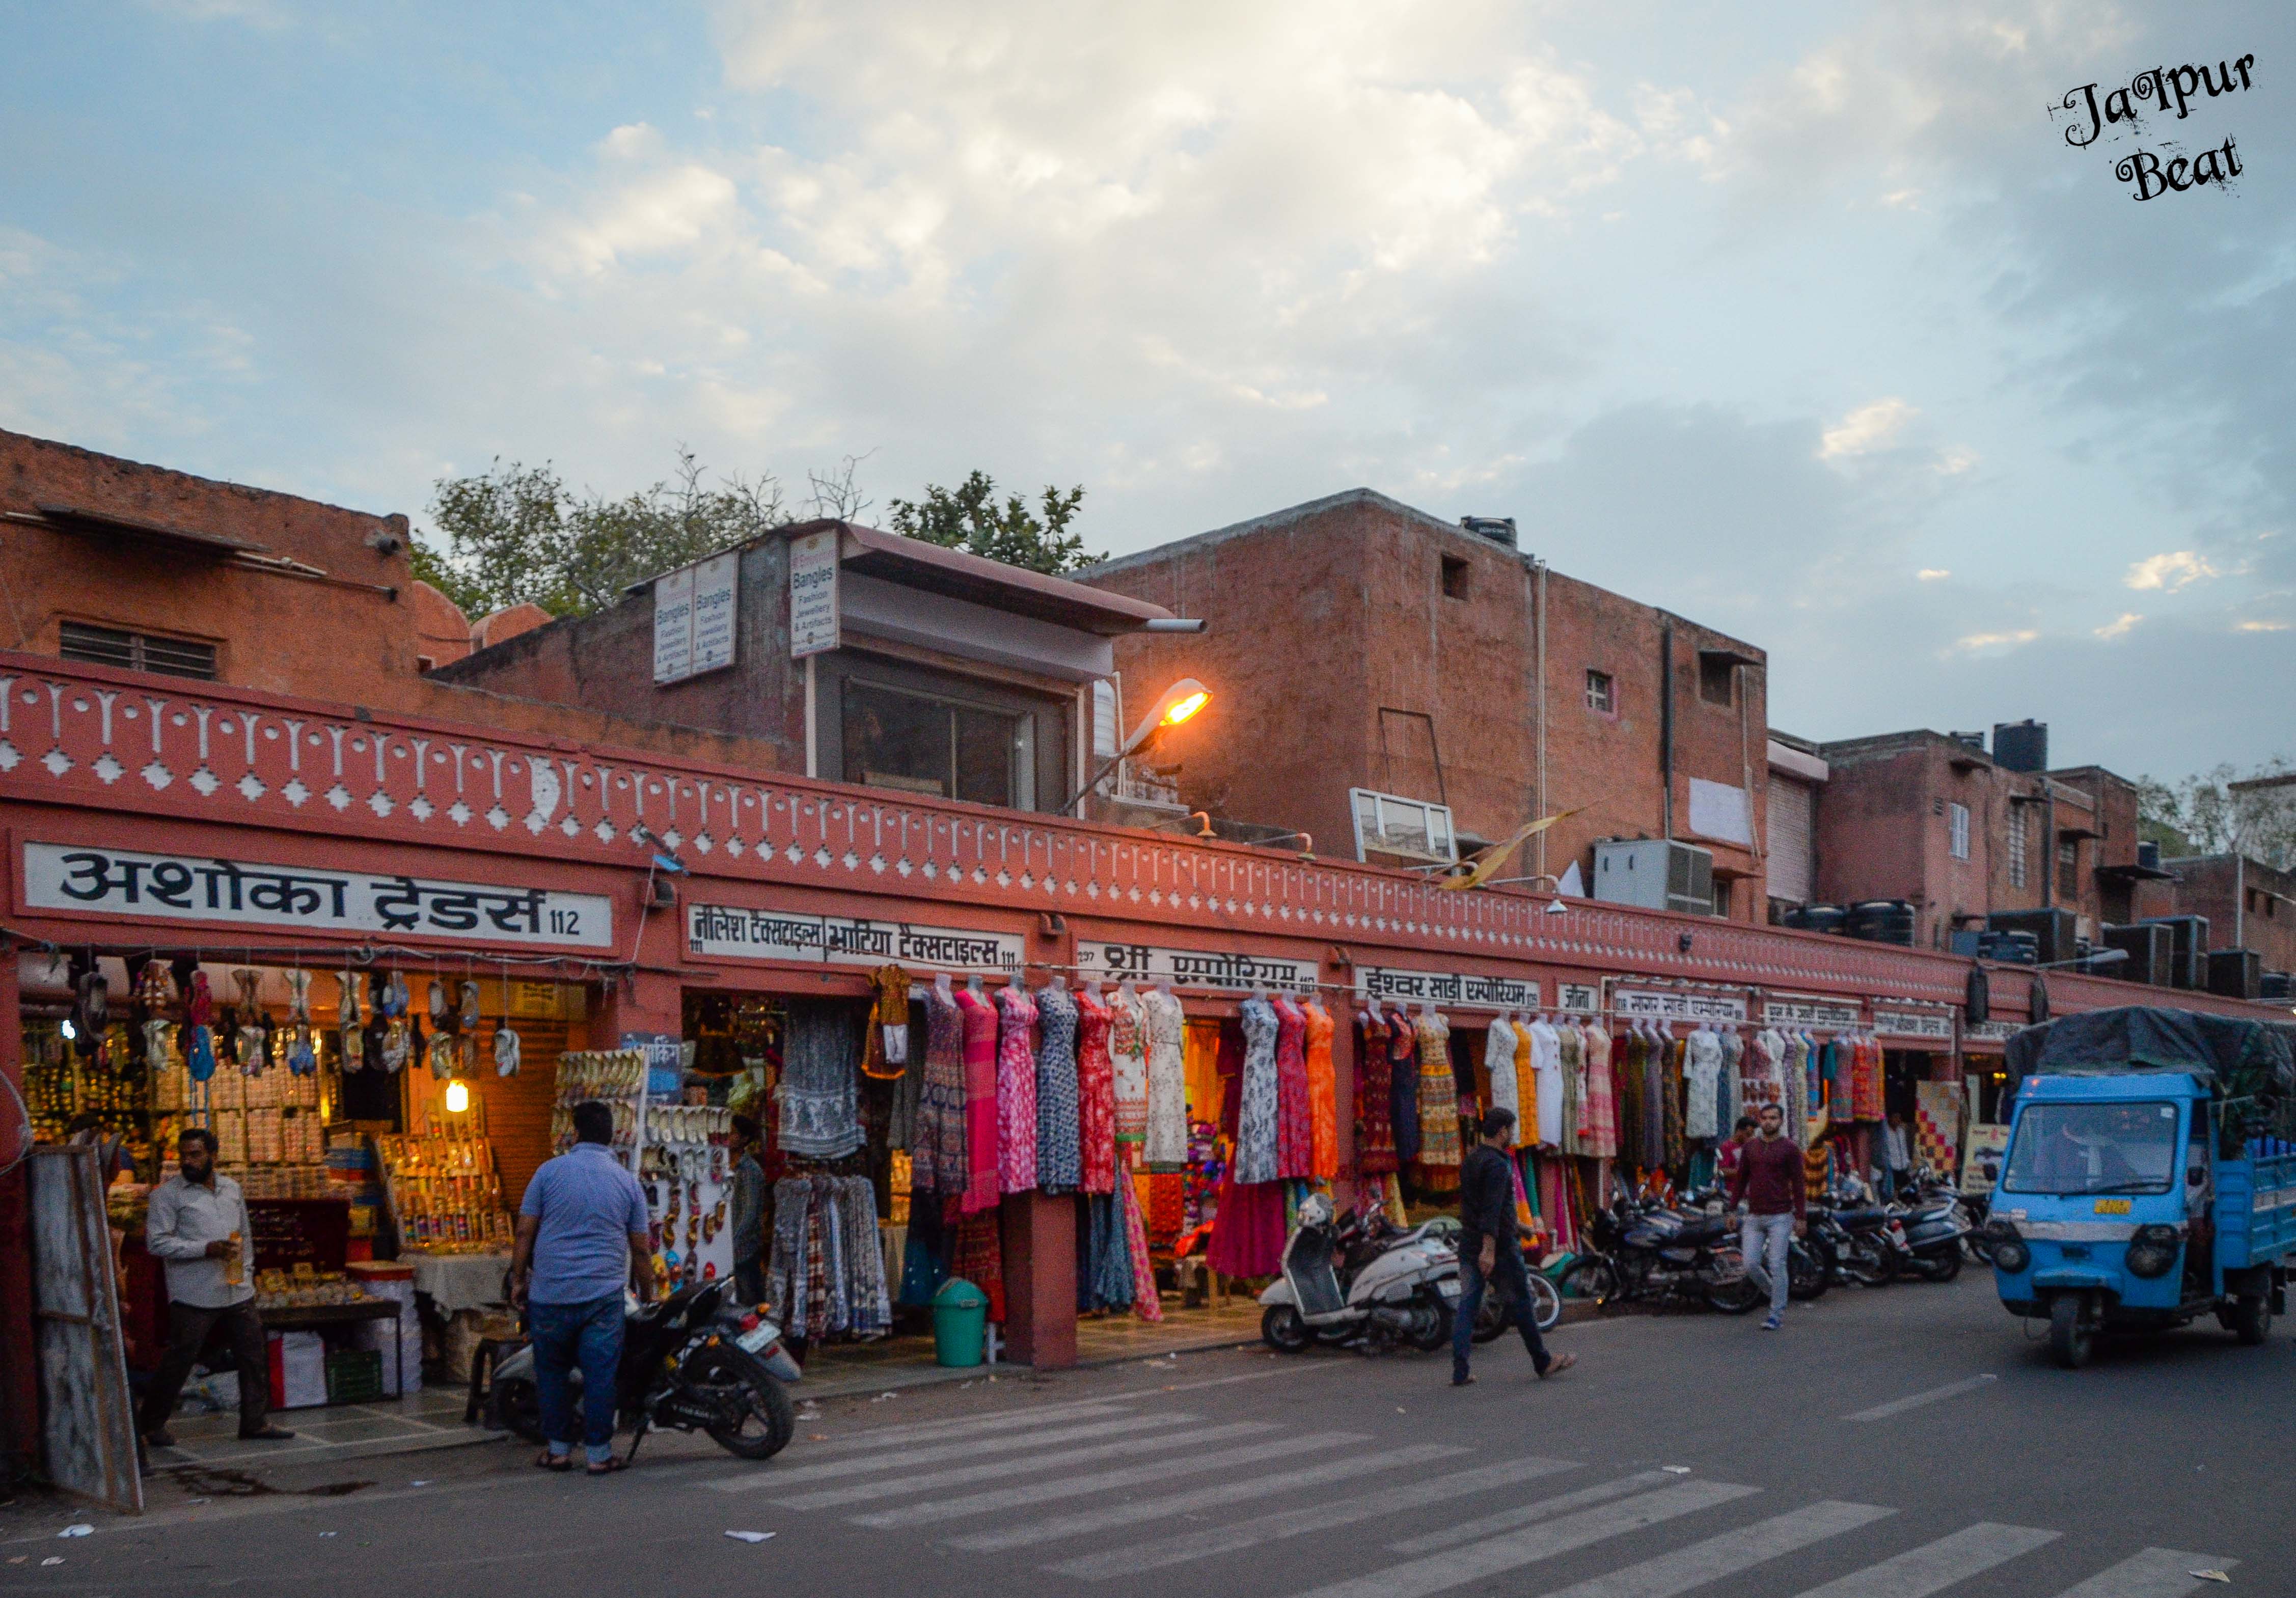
{"x": 688, "y": 1363}
{"x": 1361, "y": 1283}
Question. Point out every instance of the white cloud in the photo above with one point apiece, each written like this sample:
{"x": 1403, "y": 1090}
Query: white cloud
{"x": 1952, "y": 462}
{"x": 2171, "y": 571}
{"x": 1995, "y": 642}
{"x": 1865, "y": 429}
{"x": 2263, "y": 627}
{"x": 2120, "y": 626}
{"x": 1932, "y": 574}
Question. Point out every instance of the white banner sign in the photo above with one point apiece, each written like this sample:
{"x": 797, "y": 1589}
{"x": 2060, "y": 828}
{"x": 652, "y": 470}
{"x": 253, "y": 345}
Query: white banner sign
{"x": 673, "y": 625}
{"x": 307, "y": 899}
{"x": 1935, "y": 1025}
{"x": 813, "y": 593}
{"x": 716, "y": 583}
{"x": 1580, "y": 998}
{"x": 1457, "y": 990}
{"x": 1677, "y": 1006}
{"x": 726, "y": 932}
{"x": 1832, "y": 1015}
{"x": 1192, "y": 968}
{"x": 1990, "y": 1031}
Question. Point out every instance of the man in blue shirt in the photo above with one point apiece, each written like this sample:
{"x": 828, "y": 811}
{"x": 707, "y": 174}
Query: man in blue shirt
{"x": 582, "y": 1232}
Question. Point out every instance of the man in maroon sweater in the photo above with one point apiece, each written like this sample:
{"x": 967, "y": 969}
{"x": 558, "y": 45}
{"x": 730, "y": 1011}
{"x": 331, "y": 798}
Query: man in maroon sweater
{"x": 1768, "y": 1187}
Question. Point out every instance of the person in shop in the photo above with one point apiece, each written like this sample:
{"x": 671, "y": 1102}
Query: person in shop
{"x": 1488, "y": 1254}
{"x": 582, "y": 1232}
{"x": 1897, "y": 1157}
{"x": 1769, "y": 1190}
{"x": 1733, "y": 1148}
{"x": 197, "y": 1223}
{"x": 748, "y": 1207}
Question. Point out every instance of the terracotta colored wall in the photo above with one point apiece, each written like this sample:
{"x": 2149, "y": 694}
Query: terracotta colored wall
{"x": 2240, "y": 901}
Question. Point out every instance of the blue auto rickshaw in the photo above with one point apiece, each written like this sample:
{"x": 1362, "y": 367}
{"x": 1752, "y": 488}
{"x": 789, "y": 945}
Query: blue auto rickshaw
{"x": 2149, "y": 1178}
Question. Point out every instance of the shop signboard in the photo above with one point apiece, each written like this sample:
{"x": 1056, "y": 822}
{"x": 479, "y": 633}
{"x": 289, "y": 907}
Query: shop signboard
{"x": 813, "y": 594}
{"x": 694, "y": 615}
{"x": 1824, "y": 1015}
{"x": 1100, "y": 961}
{"x": 1982, "y": 1147}
{"x": 1989, "y": 1035}
{"x": 296, "y": 898}
{"x": 673, "y": 625}
{"x": 1454, "y": 990}
{"x": 1932, "y": 1026}
{"x": 729, "y": 933}
{"x": 1579, "y": 998}
{"x": 1679, "y": 1005}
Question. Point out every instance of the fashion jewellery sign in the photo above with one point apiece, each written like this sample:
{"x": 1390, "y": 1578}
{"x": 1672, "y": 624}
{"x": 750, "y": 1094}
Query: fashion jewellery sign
{"x": 1192, "y": 968}
{"x": 172, "y": 888}
{"x": 1679, "y": 1006}
{"x": 1454, "y": 988}
{"x": 726, "y": 932}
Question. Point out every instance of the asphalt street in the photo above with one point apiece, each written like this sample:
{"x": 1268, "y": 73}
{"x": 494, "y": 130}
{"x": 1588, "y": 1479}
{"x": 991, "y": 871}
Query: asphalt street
{"x": 1887, "y": 1444}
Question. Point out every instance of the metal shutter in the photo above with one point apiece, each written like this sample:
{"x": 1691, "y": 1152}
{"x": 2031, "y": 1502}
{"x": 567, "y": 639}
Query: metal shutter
{"x": 1792, "y": 836}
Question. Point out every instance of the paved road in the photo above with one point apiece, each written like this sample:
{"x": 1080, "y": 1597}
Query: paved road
{"x": 1886, "y": 1444}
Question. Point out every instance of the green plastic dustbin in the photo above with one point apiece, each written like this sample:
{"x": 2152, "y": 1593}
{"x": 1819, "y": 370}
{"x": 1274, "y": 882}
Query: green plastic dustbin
{"x": 960, "y": 1317}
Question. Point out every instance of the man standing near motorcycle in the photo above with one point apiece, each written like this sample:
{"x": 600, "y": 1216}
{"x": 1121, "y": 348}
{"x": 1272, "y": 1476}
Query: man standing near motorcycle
{"x": 582, "y": 1232}
{"x": 1769, "y": 1189}
{"x": 1487, "y": 1220}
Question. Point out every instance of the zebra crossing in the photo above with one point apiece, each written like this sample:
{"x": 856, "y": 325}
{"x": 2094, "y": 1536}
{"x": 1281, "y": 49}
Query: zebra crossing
{"x": 1092, "y": 1488}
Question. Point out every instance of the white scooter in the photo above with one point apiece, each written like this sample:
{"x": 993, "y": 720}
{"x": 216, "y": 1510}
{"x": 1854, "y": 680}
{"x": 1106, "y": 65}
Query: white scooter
{"x": 1400, "y": 1287}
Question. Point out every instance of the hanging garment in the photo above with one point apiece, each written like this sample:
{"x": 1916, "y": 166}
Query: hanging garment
{"x": 1248, "y": 1231}
{"x": 1165, "y": 1025}
{"x": 788, "y": 1272}
{"x": 1628, "y": 1072}
{"x": 1375, "y": 1153}
{"x": 1598, "y": 1122}
{"x": 1794, "y": 1085}
{"x": 908, "y": 1092}
{"x": 1572, "y": 1050}
{"x": 1867, "y": 1082}
{"x": 1498, "y": 1064}
{"x": 1145, "y": 1304}
{"x": 1733, "y": 1092}
{"x": 1292, "y": 1138}
{"x": 871, "y": 1307}
{"x": 1403, "y": 1083}
{"x": 1438, "y": 1095}
{"x": 1096, "y": 1094}
{"x": 820, "y": 1082}
{"x": 887, "y": 1054}
{"x": 1255, "y": 1141}
{"x": 1701, "y": 1073}
{"x": 1059, "y": 1161}
{"x": 1323, "y": 1096}
{"x": 1106, "y": 1282}
{"x": 979, "y": 1258}
{"x": 936, "y": 1145}
{"x": 1016, "y": 1089}
{"x": 1670, "y": 1128}
{"x": 1546, "y": 1065}
{"x": 1653, "y": 1099}
{"x": 1127, "y": 1051}
{"x": 1526, "y": 1089}
{"x": 980, "y": 1125}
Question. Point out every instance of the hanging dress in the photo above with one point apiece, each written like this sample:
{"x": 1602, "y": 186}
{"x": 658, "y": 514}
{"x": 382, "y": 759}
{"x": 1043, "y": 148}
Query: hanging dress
{"x": 1628, "y": 1073}
{"x": 1374, "y": 1127}
{"x": 1868, "y": 1079}
{"x": 1293, "y": 1139}
{"x": 1498, "y": 1064}
{"x": 981, "y": 1131}
{"x": 1164, "y": 1025}
{"x": 937, "y": 1149}
{"x": 1546, "y": 1062}
{"x": 1323, "y": 1097}
{"x": 1248, "y": 1223}
{"x": 1096, "y": 1094}
{"x": 1526, "y": 1089}
{"x": 1676, "y": 1150}
{"x": 1058, "y": 1162}
{"x": 1598, "y": 1125}
{"x": 1256, "y": 1134}
{"x": 1127, "y": 1051}
{"x": 1571, "y": 1047}
{"x": 1438, "y": 1098}
{"x": 1016, "y": 1089}
{"x": 1403, "y": 1083}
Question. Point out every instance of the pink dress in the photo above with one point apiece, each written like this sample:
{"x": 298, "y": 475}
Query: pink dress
{"x": 980, "y": 1102}
{"x": 1095, "y": 1093}
{"x": 1295, "y": 1138}
{"x": 1016, "y": 1090}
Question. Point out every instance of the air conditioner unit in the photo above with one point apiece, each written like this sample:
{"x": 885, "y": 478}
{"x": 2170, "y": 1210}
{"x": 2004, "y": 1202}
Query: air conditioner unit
{"x": 1656, "y": 874}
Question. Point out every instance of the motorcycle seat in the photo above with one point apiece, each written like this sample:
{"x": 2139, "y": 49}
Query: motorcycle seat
{"x": 1701, "y": 1232}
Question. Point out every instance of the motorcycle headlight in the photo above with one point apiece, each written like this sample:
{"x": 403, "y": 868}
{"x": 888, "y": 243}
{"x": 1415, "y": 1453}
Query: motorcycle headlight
{"x": 2153, "y": 1251}
{"x": 2010, "y": 1253}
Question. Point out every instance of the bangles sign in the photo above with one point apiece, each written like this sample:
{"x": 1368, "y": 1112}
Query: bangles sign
{"x": 726, "y": 932}
{"x": 1192, "y": 968}
{"x": 1456, "y": 989}
{"x": 302, "y": 899}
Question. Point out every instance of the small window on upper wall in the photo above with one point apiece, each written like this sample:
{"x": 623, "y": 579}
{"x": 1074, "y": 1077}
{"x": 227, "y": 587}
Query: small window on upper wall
{"x": 1454, "y": 577}
{"x": 1958, "y": 830}
{"x": 1718, "y": 680}
{"x": 1602, "y": 693}
{"x": 137, "y": 652}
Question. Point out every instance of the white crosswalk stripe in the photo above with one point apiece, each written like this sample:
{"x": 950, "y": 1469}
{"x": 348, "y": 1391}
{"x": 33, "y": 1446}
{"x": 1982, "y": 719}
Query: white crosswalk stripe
{"x": 1112, "y": 1516}
{"x": 972, "y": 1448}
{"x": 1920, "y": 1571}
{"x": 1313, "y": 1517}
{"x": 2155, "y": 1573}
{"x": 1079, "y": 1487}
{"x": 1475, "y": 1561}
{"x": 930, "y": 1431}
{"x": 899, "y": 1487}
{"x": 1530, "y": 1514}
{"x": 1716, "y": 1557}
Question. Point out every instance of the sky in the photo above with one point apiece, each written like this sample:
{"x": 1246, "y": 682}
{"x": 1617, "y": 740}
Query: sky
{"x": 1807, "y": 322}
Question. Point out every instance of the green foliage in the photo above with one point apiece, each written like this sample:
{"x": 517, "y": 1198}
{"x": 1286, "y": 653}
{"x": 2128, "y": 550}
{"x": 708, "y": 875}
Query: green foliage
{"x": 2211, "y": 813}
{"x": 969, "y": 517}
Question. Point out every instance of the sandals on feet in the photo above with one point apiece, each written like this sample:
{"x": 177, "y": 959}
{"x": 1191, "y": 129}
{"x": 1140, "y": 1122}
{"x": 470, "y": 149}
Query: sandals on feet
{"x": 1558, "y": 1364}
{"x": 547, "y": 1461}
{"x": 612, "y": 1465}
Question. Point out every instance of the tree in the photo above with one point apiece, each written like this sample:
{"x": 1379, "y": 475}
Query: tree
{"x": 969, "y": 517}
{"x": 517, "y": 532}
{"x": 2220, "y": 812}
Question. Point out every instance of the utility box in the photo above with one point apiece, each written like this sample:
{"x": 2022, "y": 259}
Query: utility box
{"x": 2053, "y": 931}
{"x": 1656, "y": 874}
{"x": 2150, "y": 950}
{"x": 2236, "y": 973}
{"x": 2188, "y": 951}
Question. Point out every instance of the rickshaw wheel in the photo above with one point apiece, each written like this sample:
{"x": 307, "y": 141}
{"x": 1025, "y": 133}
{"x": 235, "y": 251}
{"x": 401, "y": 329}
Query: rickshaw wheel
{"x": 2250, "y": 1319}
{"x": 2068, "y": 1338}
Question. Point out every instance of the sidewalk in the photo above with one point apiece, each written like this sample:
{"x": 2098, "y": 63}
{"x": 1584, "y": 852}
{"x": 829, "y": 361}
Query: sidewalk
{"x": 430, "y": 1419}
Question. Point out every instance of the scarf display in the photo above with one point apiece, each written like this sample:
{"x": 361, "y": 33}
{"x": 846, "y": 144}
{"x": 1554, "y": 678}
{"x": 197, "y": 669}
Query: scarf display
{"x": 820, "y": 1082}
{"x": 826, "y": 1277}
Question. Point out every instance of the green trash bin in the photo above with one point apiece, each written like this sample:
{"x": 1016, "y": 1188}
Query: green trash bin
{"x": 960, "y": 1317}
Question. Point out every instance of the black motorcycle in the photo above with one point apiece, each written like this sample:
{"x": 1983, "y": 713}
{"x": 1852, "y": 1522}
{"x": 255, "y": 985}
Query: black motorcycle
{"x": 1645, "y": 1253}
{"x": 688, "y": 1363}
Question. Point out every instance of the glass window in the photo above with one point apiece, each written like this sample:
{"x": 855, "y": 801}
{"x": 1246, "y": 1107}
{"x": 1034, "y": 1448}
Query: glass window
{"x": 1601, "y": 693}
{"x": 2019, "y": 844}
{"x": 137, "y": 652}
{"x": 918, "y": 745}
{"x": 1391, "y": 825}
{"x": 2069, "y": 1149}
{"x": 1957, "y": 819}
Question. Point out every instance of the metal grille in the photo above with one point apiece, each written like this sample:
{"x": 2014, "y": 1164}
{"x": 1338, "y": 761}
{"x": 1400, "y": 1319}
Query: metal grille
{"x": 137, "y": 652}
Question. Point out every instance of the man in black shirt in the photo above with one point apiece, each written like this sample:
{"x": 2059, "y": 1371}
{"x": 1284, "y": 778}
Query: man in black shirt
{"x": 1489, "y": 1253}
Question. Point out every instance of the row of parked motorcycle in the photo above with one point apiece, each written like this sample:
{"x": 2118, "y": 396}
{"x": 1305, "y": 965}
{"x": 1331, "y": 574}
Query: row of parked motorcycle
{"x": 1360, "y": 1282}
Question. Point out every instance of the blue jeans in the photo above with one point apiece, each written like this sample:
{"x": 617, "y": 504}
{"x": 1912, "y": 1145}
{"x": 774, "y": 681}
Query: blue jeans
{"x": 1507, "y": 1272}
{"x": 1763, "y": 1241}
{"x": 565, "y": 1335}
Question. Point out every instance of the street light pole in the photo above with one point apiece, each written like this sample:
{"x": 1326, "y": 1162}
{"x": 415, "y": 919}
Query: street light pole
{"x": 1174, "y": 706}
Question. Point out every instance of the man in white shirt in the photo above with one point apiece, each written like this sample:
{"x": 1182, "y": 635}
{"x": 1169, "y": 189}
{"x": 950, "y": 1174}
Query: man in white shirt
{"x": 198, "y": 1222}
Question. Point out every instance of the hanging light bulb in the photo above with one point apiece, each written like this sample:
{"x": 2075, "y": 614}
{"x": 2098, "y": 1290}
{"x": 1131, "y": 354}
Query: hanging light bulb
{"x": 458, "y": 1098}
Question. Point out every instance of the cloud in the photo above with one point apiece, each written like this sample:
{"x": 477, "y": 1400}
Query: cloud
{"x": 2262, "y": 626}
{"x": 1993, "y": 643}
{"x": 1865, "y": 429}
{"x": 2120, "y": 626}
{"x": 2172, "y": 571}
{"x": 1932, "y": 574}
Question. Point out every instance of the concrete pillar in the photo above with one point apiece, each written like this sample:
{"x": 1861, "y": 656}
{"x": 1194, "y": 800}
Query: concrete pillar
{"x": 1040, "y": 1285}
{"x": 641, "y": 1002}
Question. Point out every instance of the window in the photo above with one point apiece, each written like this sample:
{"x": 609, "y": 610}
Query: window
{"x": 1602, "y": 693}
{"x": 1389, "y": 824}
{"x": 2076, "y": 1148}
{"x": 2069, "y": 868}
{"x": 137, "y": 652}
{"x": 2018, "y": 845}
{"x": 920, "y": 744}
{"x": 1717, "y": 679}
{"x": 1454, "y": 577}
{"x": 1957, "y": 822}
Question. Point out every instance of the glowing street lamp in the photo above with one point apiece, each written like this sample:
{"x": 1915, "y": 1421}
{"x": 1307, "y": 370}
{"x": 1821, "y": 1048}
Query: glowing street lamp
{"x": 1178, "y": 703}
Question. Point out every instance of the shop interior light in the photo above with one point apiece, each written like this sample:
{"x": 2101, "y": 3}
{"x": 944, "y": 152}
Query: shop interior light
{"x": 69, "y": 1033}
{"x": 458, "y": 1098}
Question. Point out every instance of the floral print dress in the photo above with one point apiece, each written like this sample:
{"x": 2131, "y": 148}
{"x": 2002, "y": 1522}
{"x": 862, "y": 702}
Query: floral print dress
{"x": 1059, "y": 1168}
{"x": 1294, "y": 1146}
{"x": 1165, "y": 1028}
{"x": 1256, "y": 1135}
{"x": 1127, "y": 1051}
{"x": 1096, "y": 1094}
{"x": 1016, "y": 1090}
{"x": 937, "y": 1149}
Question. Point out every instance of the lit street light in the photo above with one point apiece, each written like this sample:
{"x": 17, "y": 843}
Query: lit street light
{"x": 1180, "y": 702}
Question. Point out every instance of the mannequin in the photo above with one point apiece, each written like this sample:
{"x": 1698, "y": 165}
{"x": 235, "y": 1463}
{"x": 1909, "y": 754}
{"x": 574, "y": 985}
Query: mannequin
{"x": 941, "y": 988}
{"x": 1164, "y": 1026}
{"x": 1256, "y": 1118}
{"x": 1127, "y": 1050}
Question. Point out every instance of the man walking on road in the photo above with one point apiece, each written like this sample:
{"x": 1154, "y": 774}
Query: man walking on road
{"x": 1768, "y": 1188}
{"x": 582, "y": 1232}
{"x": 1489, "y": 1253}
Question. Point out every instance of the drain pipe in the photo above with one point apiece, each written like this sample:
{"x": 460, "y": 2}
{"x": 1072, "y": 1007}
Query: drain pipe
{"x": 1538, "y": 571}
{"x": 1666, "y": 726}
